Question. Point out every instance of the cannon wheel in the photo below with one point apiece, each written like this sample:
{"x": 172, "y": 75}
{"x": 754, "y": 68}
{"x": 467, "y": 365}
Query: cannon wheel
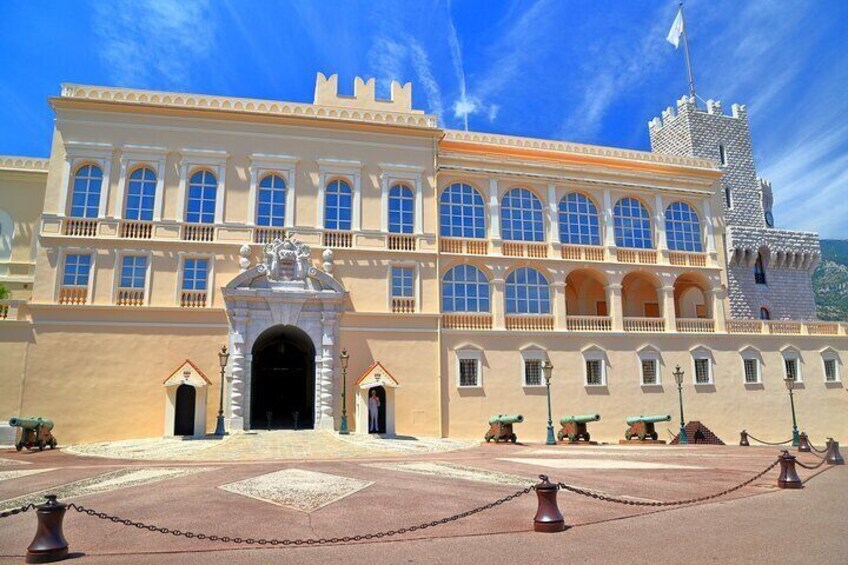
{"x": 19, "y": 446}
{"x": 513, "y": 438}
{"x": 53, "y": 443}
{"x": 40, "y": 445}
{"x": 559, "y": 435}
{"x": 488, "y": 437}
{"x": 628, "y": 435}
{"x": 572, "y": 437}
{"x": 587, "y": 436}
{"x": 642, "y": 436}
{"x": 654, "y": 436}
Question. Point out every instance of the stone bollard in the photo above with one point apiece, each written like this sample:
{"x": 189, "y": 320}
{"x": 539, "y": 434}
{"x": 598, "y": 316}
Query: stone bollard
{"x": 804, "y": 443}
{"x": 833, "y": 457}
{"x": 788, "y": 476}
{"x": 548, "y": 518}
{"x": 49, "y": 543}
{"x": 743, "y": 441}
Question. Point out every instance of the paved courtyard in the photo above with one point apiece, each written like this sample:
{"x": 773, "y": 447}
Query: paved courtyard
{"x": 295, "y": 485}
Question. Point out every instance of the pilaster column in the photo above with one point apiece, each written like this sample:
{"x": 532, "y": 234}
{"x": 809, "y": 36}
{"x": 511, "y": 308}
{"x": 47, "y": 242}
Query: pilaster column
{"x": 709, "y": 233}
{"x": 609, "y": 229}
{"x": 718, "y": 295}
{"x": 239, "y": 368}
{"x": 494, "y": 211}
{"x": 659, "y": 221}
{"x": 498, "y": 304}
{"x": 324, "y": 415}
{"x": 559, "y": 302}
{"x": 553, "y": 217}
{"x": 668, "y": 309}
{"x": 122, "y": 185}
{"x": 616, "y": 308}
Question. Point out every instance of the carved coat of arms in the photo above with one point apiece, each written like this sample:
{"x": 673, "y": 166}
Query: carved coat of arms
{"x": 286, "y": 260}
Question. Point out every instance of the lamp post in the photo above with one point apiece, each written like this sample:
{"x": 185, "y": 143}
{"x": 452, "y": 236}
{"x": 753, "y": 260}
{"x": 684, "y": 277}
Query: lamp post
{"x": 344, "y": 358}
{"x": 790, "y": 384}
{"x": 678, "y": 376}
{"x": 547, "y": 369}
{"x": 223, "y": 357}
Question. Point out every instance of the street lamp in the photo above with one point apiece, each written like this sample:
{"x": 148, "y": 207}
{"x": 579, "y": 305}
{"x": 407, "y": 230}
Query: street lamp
{"x": 223, "y": 357}
{"x": 344, "y": 358}
{"x": 678, "y": 376}
{"x": 790, "y": 384}
{"x": 547, "y": 369}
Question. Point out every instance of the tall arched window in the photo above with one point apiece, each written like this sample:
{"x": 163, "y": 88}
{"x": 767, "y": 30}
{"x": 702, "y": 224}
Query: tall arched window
{"x": 527, "y": 292}
{"x": 202, "y": 192}
{"x": 759, "y": 270}
{"x": 461, "y": 212}
{"x": 401, "y": 209}
{"x": 632, "y": 224}
{"x": 765, "y": 314}
{"x": 521, "y": 216}
{"x": 141, "y": 194}
{"x": 578, "y": 220}
{"x": 683, "y": 228}
{"x": 465, "y": 289}
{"x": 338, "y": 206}
{"x": 271, "y": 208}
{"x": 85, "y": 199}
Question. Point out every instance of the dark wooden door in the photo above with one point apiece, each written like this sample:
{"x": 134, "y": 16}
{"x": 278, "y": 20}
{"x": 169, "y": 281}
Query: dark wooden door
{"x": 184, "y": 411}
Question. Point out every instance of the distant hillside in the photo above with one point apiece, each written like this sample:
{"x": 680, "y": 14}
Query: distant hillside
{"x": 830, "y": 280}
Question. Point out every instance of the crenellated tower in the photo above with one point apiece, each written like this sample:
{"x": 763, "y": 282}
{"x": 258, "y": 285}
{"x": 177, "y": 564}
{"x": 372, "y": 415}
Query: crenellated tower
{"x": 769, "y": 270}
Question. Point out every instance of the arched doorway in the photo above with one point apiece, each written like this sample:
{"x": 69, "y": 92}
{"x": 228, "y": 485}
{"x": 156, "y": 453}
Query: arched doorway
{"x": 380, "y": 392}
{"x": 184, "y": 410}
{"x": 282, "y": 380}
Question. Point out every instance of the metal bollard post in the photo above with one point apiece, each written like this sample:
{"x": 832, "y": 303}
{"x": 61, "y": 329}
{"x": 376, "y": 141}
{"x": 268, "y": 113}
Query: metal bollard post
{"x": 804, "y": 443}
{"x": 743, "y": 441}
{"x": 49, "y": 543}
{"x": 833, "y": 457}
{"x": 788, "y": 476}
{"x": 548, "y": 518}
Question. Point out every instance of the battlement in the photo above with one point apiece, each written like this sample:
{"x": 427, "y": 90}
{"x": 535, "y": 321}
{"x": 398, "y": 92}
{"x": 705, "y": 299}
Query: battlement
{"x": 364, "y": 95}
{"x": 687, "y": 105}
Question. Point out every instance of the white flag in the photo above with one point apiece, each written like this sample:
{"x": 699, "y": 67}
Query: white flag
{"x": 676, "y": 30}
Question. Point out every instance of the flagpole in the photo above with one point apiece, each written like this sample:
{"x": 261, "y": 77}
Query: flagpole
{"x": 686, "y": 50}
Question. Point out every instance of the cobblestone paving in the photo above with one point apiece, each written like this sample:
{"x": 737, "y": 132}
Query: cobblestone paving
{"x": 5, "y": 462}
{"x": 575, "y": 463}
{"x": 455, "y": 471}
{"x": 264, "y": 445}
{"x": 6, "y": 475}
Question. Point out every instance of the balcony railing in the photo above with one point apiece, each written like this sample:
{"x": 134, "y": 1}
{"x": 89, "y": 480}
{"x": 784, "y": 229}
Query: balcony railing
{"x": 403, "y": 305}
{"x": 79, "y": 227}
{"x": 463, "y": 246}
{"x": 588, "y": 323}
{"x": 680, "y": 258}
{"x": 784, "y": 327}
{"x": 744, "y": 327}
{"x": 529, "y": 323}
{"x": 73, "y": 295}
{"x": 582, "y": 252}
{"x": 823, "y": 328}
{"x": 695, "y": 325}
{"x": 644, "y": 256}
{"x": 780, "y": 327}
{"x": 338, "y": 239}
{"x": 524, "y": 249}
{"x": 267, "y": 235}
{"x": 136, "y": 230}
{"x": 647, "y": 325}
{"x": 401, "y": 242}
{"x": 193, "y": 299}
{"x": 467, "y": 321}
{"x": 10, "y": 309}
{"x": 198, "y": 232}
{"x": 130, "y": 297}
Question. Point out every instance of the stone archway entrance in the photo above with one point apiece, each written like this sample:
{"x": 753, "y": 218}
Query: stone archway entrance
{"x": 184, "y": 410}
{"x": 282, "y": 380}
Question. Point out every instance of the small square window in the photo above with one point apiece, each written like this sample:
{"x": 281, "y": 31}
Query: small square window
{"x": 752, "y": 371}
{"x": 830, "y": 371}
{"x": 791, "y": 366}
{"x": 702, "y": 371}
{"x": 532, "y": 372}
{"x": 594, "y": 372}
{"x": 649, "y": 371}
{"x": 402, "y": 278}
{"x": 469, "y": 372}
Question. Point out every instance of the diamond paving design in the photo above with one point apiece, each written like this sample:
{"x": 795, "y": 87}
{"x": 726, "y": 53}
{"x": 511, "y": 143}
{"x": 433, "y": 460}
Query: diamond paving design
{"x": 597, "y": 464}
{"x": 302, "y": 490}
{"x": 455, "y": 471}
{"x": 4, "y": 462}
{"x": 6, "y": 475}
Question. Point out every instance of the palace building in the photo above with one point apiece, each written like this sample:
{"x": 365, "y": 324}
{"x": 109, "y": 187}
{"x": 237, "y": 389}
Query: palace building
{"x": 449, "y": 265}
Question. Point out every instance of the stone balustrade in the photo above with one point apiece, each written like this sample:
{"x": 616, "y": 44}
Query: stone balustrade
{"x": 695, "y": 325}
{"x": 401, "y": 242}
{"x": 588, "y": 323}
{"x": 582, "y": 253}
{"x": 131, "y": 229}
{"x": 130, "y": 297}
{"x": 193, "y": 299}
{"x": 263, "y": 235}
{"x": 403, "y": 305}
{"x": 644, "y": 325}
{"x": 338, "y": 239}
{"x": 529, "y": 322}
{"x": 524, "y": 249}
{"x": 467, "y": 321}
{"x": 75, "y": 295}
{"x": 80, "y": 227}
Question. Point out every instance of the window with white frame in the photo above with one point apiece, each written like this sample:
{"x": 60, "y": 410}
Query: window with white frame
{"x": 133, "y": 272}
{"x": 469, "y": 372}
{"x": 271, "y": 201}
{"x": 594, "y": 372}
{"x": 578, "y": 220}
{"x": 401, "y": 209}
{"x": 465, "y": 289}
{"x": 195, "y": 274}
{"x": 831, "y": 370}
{"x": 462, "y": 212}
{"x": 338, "y": 206}
{"x": 532, "y": 361}
{"x": 751, "y": 366}
{"x": 790, "y": 367}
{"x": 202, "y": 196}
{"x": 632, "y": 224}
{"x": 77, "y": 269}
{"x": 649, "y": 372}
{"x": 141, "y": 195}
{"x": 85, "y": 195}
{"x": 527, "y": 292}
{"x": 703, "y": 368}
{"x": 521, "y": 216}
{"x": 403, "y": 282}
{"x": 682, "y": 228}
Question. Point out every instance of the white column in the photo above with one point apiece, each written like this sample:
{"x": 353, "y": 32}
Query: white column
{"x": 609, "y": 229}
{"x": 322, "y": 200}
{"x": 239, "y": 368}
{"x": 419, "y": 206}
{"x": 159, "y": 199}
{"x": 356, "y": 224}
{"x": 66, "y": 186}
{"x": 559, "y": 301}
{"x": 498, "y": 304}
{"x": 324, "y": 404}
{"x": 717, "y": 295}
{"x": 288, "y": 221}
{"x": 221, "y": 194}
{"x": 616, "y": 309}
{"x": 251, "y": 197}
{"x": 384, "y": 203}
{"x": 553, "y": 217}
{"x": 104, "y": 189}
{"x": 122, "y": 186}
{"x": 181, "y": 197}
{"x": 669, "y": 313}
{"x": 494, "y": 211}
{"x": 659, "y": 220}
{"x": 709, "y": 235}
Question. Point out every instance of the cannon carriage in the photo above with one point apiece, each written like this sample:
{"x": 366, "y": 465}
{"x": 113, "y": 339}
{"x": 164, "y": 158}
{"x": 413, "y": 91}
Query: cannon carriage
{"x": 36, "y": 433}
{"x": 500, "y": 428}
{"x": 574, "y": 427}
{"x": 643, "y": 427}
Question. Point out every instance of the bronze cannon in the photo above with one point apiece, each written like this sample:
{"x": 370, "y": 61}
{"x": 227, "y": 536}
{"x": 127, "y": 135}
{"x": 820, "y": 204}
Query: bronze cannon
{"x": 574, "y": 427}
{"x": 642, "y": 427}
{"x": 500, "y": 427}
{"x": 36, "y": 433}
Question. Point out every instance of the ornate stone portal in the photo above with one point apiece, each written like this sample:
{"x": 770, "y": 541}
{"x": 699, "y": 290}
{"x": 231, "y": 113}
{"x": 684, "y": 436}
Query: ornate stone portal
{"x": 283, "y": 290}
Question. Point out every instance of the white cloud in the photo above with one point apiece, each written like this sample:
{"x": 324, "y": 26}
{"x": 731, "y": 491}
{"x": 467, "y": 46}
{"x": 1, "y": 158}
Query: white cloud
{"x": 424, "y": 73}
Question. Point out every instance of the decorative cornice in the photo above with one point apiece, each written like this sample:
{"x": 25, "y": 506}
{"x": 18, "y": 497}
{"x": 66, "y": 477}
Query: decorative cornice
{"x": 243, "y": 105}
{"x": 31, "y": 164}
{"x": 574, "y": 149}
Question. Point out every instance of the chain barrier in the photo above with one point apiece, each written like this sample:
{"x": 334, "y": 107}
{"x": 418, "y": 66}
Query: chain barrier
{"x": 769, "y": 443}
{"x": 814, "y": 454}
{"x": 607, "y": 498}
{"x": 811, "y": 467}
{"x": 13, "y": 511}
{"x": 816, "y": 449}
{"x": 304, "y": 541}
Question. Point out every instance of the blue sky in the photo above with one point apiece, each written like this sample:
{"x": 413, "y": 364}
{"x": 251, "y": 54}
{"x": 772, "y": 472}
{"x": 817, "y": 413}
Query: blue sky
{"x": 589, "y": 71}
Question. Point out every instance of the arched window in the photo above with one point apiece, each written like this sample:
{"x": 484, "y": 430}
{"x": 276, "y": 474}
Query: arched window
{"x": 85, "y": 199}
{"x": 202, "y": 192}
{"x": 401, "y": 209}
{"x": 683, "y": 228}
{"x": 759, "y": 270}
{"x": 461, "y": 212}
{"x": 521, "y": 216}
{"x": 271, "y": 208}
{"x": 527, "y": 292}
{"x": 765, "y": 314}
{"x": 465, "y": 289}
{"x": 338, "y": 206}
{"x": 578, "y": 220}
{"x": 141, "y": 194}
{"x": 632, "y": 224}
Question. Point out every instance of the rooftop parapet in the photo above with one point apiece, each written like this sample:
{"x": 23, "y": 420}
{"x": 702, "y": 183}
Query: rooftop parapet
{"x": 686, "y": 104}
{"x": 364, "y": 95}
{"x": 13, "y": 163}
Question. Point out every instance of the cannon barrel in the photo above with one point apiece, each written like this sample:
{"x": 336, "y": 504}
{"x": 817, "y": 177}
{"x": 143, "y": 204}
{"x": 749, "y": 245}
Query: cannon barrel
{"x": 506, "y": 419}
{"x": 580, "y": 419}
{"x": 648, "y": 419}
{"x": 31, "y": 423}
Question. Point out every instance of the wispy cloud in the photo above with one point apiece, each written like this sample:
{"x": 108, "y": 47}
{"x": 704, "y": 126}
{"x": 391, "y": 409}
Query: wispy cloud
{"x": 153, "y": 41}
{"x": 426, "y": 78}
